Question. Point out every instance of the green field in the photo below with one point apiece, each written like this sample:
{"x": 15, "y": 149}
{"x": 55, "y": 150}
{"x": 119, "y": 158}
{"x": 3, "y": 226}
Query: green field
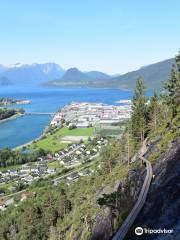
{"x": 56, "y": 165}
{"x": 75, "y": 132}
{"x": 52, "y": 142}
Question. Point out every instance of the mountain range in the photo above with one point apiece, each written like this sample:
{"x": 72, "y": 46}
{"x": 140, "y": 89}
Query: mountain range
{"x": 154, "y": 76}
{"x": 53, "y": 75}
{"x": 74, "y": 78}
{"x": 29, "y": 74}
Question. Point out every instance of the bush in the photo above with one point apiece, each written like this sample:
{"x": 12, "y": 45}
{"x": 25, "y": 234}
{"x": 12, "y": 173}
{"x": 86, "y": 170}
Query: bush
{"x": 71, "y": 127}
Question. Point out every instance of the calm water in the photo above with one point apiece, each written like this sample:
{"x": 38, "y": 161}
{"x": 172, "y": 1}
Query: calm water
{"x": 24, "y": 129}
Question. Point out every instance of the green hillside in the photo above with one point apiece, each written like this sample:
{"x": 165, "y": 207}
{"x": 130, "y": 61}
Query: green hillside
{"x": 154, "y": 75}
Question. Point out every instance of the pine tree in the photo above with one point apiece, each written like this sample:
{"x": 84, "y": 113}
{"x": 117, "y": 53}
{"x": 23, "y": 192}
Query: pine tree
{"x": 154, "y": 112}
{"x": 127, "y": 145}
{"x": 64, "y": 205}
{"x": 139, "y": 111}
{"x": 109, "y": 157}
{"x": 173, "y": 87}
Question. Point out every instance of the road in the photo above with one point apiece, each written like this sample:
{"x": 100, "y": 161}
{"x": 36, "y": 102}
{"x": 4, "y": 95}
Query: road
{"x": 13, "y": 194}
{"x": 120, "y": 235}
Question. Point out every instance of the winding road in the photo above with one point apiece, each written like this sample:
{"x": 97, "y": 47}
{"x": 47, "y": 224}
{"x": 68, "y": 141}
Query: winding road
{"x": 125, "y": 227}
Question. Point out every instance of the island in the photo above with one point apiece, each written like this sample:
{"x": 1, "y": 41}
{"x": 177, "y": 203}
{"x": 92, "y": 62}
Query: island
{"x": 9, "y": 101}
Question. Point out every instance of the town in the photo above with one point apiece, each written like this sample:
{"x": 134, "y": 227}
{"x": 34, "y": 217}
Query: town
{"x": 74, "y": 155}
{"x": 83, "y": 115}
{"x": 80, "y": 150}
{"x": 9, "y": 101}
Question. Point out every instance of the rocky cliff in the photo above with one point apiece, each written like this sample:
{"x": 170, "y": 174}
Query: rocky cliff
{"x": 117, "y": 204}
{"x": 162, "y": 208}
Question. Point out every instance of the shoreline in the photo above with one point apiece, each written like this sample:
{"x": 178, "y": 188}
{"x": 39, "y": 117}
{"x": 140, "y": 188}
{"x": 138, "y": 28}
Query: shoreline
{"x": 11, "y": 118}
{"x": 79, "y": 87}
{"x": 28, "y": 143}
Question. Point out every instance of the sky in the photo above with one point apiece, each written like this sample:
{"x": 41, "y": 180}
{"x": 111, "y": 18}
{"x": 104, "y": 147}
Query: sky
{"x": 113, "y": 36}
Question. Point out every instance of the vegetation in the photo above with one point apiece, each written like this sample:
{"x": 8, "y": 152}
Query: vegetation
{"x": 154, "y": 76}
{"x": 9, "y": 157}
{"x": 52, "y": 141}
{"x": 139, "y": 111}
{"x": 157, "y": 117}
{"x": 7, "y": 113}
{"x": 69, "y": 211}
{"x": 63, "y": 211}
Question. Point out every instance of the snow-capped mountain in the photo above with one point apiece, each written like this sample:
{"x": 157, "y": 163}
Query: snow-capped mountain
{"x": 31, "y": 74}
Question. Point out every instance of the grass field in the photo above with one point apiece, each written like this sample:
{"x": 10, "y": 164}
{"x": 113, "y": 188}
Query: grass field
{"x": 55, "y": 165}
{"x": 75, "y": 132}
{"x": 52, "y": 142}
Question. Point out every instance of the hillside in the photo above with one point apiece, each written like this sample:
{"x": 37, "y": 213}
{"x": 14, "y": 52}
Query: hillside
{"x": 162, "y": 206}
{"x": 95, "y": 205}
{"x": 154, "y": 76}
{"x": 98, "y": 75}
{"x": 74, "y": 77}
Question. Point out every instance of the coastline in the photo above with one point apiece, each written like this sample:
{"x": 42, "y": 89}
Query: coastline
{"x": 11, "y": 118}
{"x": 28, "y": 143}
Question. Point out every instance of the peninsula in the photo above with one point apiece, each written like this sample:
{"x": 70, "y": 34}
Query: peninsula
{"x": 7, "y": 114}
{"x": 9, "y": 101}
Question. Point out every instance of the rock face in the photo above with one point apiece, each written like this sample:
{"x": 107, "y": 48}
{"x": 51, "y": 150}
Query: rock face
{"x": 123, "y": 195}
{"x": 162, "y": 208}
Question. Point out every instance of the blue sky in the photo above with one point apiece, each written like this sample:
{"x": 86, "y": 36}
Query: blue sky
{"x": 114, "y": 36}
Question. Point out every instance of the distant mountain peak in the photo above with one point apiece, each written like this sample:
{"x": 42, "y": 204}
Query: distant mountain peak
{"x": 15, "y": 65}
{"x": 33, "y": 74}
{"x": 154, "y": 75}
{"x": 73, "y": 69}
{"x": 73, "y": 75}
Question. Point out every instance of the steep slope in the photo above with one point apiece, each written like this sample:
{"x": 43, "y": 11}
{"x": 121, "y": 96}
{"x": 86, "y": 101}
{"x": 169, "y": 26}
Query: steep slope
{"x": 162, "y": 208}
{"x": 32, "y": 74}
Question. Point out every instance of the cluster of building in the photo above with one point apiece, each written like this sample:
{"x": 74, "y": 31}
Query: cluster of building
{"x": 9, "y": 101}
{"x": 6, "y": 202}
{"x": 82, "y": 115}
{"x": 77, "y": 154}
{"x": 72, "y": 156}
{"x": 26, "y": 174}
{"x": 75, "y": 176}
